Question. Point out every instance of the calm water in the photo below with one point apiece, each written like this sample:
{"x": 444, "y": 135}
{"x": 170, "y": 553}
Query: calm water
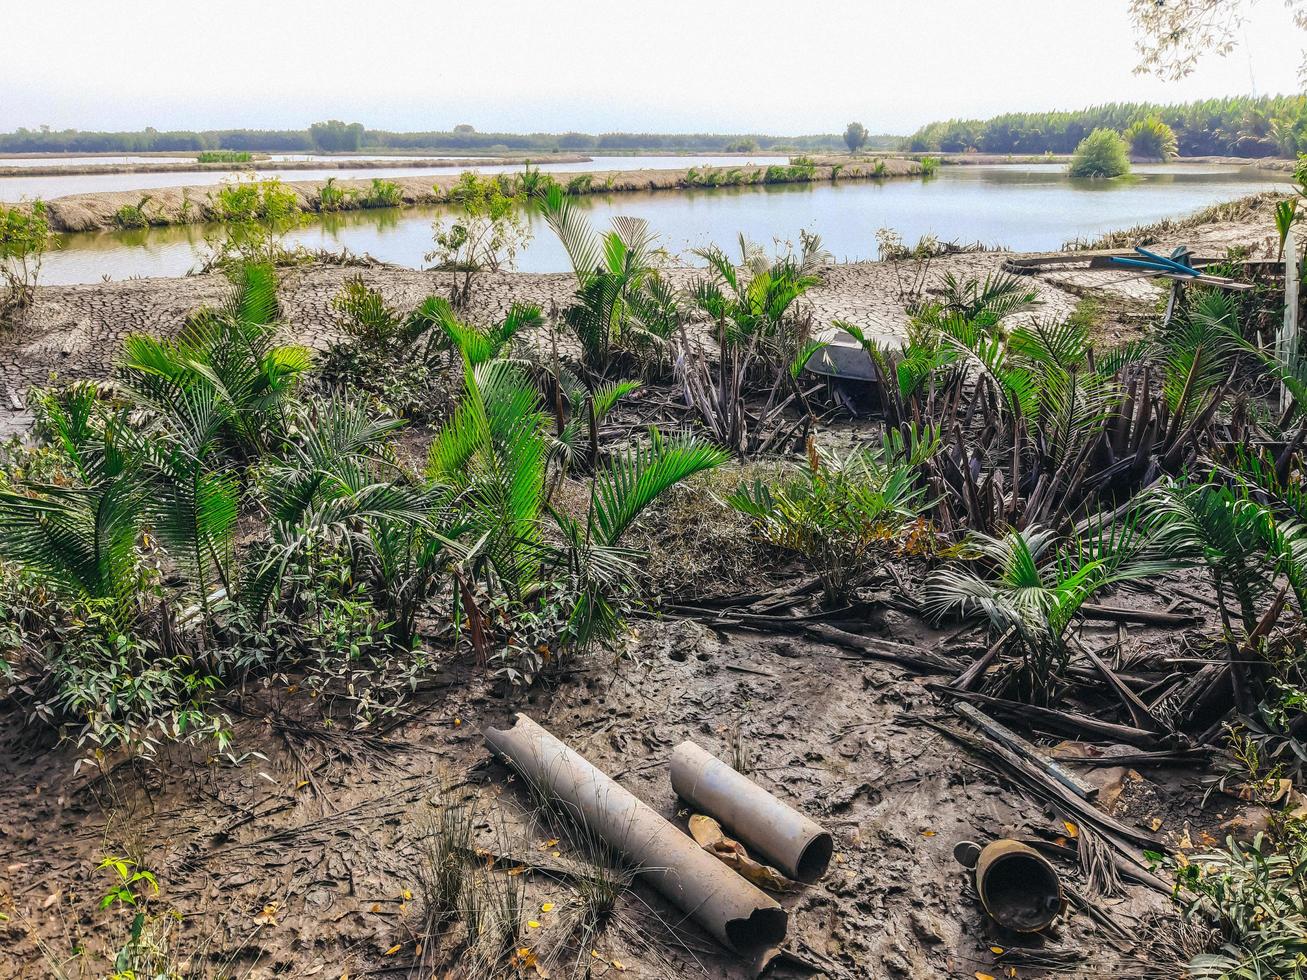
{"x": 1027, "y": 208}
{"x": 47, "y": 188}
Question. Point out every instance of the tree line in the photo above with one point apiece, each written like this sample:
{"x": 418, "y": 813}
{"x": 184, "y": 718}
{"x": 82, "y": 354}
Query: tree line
{"x": 337, "y": 136}
{"x": 1241, "y": 126}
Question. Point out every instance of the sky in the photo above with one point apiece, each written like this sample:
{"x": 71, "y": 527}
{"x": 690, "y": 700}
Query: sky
{"x": 762, "y": 66}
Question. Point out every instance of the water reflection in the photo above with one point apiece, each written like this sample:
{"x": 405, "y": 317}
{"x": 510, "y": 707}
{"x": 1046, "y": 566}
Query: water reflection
{"x": 1024, "y": 208}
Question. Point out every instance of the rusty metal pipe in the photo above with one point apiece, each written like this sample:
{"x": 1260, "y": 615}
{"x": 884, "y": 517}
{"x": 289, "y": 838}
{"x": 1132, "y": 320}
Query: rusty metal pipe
{"x": 738, "y": 914}
{"x": 793, "y": 844}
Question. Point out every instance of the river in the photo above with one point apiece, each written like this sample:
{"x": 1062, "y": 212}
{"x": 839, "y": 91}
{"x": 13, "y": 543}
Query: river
{"x": 1023, "y": 207}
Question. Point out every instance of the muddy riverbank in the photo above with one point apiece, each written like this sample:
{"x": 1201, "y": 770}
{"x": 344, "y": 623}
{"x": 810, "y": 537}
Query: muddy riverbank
{"x": 55, "y": 169}
{"x": 192, "y": 204}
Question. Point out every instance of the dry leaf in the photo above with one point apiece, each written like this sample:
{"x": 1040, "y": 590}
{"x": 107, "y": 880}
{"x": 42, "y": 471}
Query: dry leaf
{"x": 983, "y": 976}
{"x": 533, "y": 924}
{"x": 618, "y": 965}
{"x": 708, "y": 834}
{"x": 1071, "y": 829}
{"x": 393, "y": 950}
{"x": 928, "y": 833}
{"x": 547, "y": 907}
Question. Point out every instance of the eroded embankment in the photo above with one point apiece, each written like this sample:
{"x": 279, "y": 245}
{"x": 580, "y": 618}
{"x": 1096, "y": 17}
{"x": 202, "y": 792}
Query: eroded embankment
{"x": 55, "y": 169}
{"x": 193, "y": 204}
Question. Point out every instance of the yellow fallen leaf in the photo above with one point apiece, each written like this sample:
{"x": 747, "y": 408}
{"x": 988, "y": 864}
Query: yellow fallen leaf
{"x": 984, "y": 976}
{"x": 1071, "y": 829}
{"x": 928, "y": 833}
{"x": 618, "y": 965}
{"x": 514, "y": 872}
{"x": 457, "y": 722}
{"x": 594, "y": 953}
{"x": 393, "y": 950}
{"x": 555, "y": 854}
{"x": 546, "y": 845}
{"x": 408, "y": 895}
{"x": 375, "y": 907}
{"x": 533, "y": 924}
{"x": 547, "y": 907}
{"x": 301, "y": 784}
{"x": 996, "y": 950}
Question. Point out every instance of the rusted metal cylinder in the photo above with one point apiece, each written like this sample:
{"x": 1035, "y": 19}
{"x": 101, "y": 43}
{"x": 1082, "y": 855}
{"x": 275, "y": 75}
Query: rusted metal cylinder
{"x": 1018, "y": 887}
{"x": 793, "y": 844}
{"x": 738, "y": 914}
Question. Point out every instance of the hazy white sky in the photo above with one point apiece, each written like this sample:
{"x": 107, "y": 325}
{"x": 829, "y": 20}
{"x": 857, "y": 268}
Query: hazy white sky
{"x": 775, "y": 66}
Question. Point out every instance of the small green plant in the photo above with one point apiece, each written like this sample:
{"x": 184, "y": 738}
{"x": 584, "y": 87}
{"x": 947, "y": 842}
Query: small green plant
{"x": 580, "y": 184}
{"x": 334, "y": 198}
{"x": 1256, "y": 894}
{"x": 929, "y": 166}
{"x": 1100, "y": 154}
{"x": 1286, "y": 213}
{"x": 24, "y": 239}
{"x": 485, "y": 232}
{"x": 382, "y": 194}
{"x": 255, "y": 215}
{"x": 224, "y": 156}
{"x": 127, "y": 882}
{"x": 134, "y": 215}
{"x": 839, "y": 513}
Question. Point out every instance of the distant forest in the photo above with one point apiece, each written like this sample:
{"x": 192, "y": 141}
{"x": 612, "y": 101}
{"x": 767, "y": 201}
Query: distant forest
{"x": 1240, "y": 126}
{"x": 335, "y": 136}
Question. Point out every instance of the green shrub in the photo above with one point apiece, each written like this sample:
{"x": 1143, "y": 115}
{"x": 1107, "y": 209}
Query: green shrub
{"x": 255, "y": 213}
{"x": 840, "y": 512}
{"x": 24, "y": 238}
{"x": 382, "y": 194}
{"x": 485, "y": 232}
{"x": 929, "y": 166}
{"x": 224, "y": 156}
{"x": 133, "y": 215}
{"x": 1255, "y": 895}
{"x": 333, "y": 198}
{"x": 1151, "y": 139}
{"x": 1100, "y": 154}
{"x": 580, "y": 184}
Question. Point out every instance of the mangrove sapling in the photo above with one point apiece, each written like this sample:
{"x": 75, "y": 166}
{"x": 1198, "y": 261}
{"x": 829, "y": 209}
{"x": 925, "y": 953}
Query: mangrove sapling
{"x": 494, "y": 453}
{"x": 255, "y": 215}
{"x": 381, "y": 194}
{"x": 763, "y": 347}
{"x": 486, "y": 234}
{"x": 1030, "y": 583}
{"x": 230, "y": 353}
{"x": 623, "y": 310}
{"x": 24, "y": 239}
{"x": 1286, "y": 213}
{"x": 839, "y": 513}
